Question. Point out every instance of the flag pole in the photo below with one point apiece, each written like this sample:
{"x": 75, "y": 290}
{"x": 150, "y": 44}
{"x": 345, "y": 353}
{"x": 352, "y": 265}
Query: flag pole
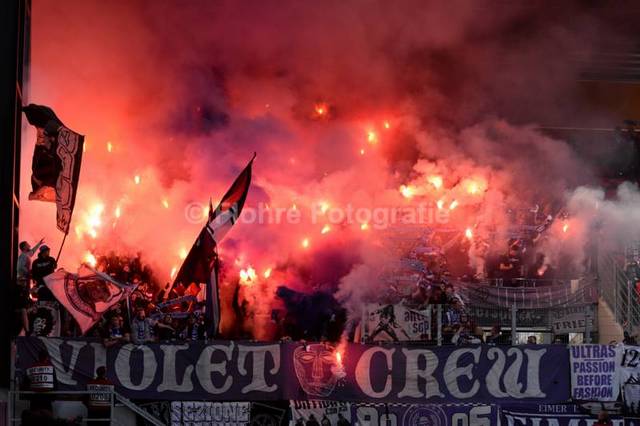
{"x": 62, "y": 245}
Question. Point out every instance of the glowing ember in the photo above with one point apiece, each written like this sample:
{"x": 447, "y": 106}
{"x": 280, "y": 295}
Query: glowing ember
{"x": 183, "y": 253}
{"x": 165, "y": 203}
{"x": 453, "y": 204}
{"x": 90, "y": 259}
{"x": 248, "y": 276}
{"x": 267, "y": 273}
{"x": 324, "y": 206}
{"x": 440, "y": 204}
{"x": 91, "y": 221}
{"x": 339, "y": 358}
{"x": 468, "y": 233}
{"x": 294, "y": 207}
{"x": 364, "y": 226}
{"x": 325, "y": 229}
{"x": 305, "y": 243}
{"x": 406, "y": 191}
{"x": 473, "y": 188}
{"x": 436, "y": 181}
{"x": 372, "y": 138}
{"x": 109, "y": 147}
{"x": 387, "y": 125}
{"x": 321, "y": 109}
{"x": 565, "y": 227}
{"x": 136, "y": 179}
{"x": 362, "y": 151}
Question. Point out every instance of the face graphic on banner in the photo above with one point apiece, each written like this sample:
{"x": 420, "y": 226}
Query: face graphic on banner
{"x": 86, "y": 294}
{"x": 424, "y": 416}
{"x": 317, "y": 369}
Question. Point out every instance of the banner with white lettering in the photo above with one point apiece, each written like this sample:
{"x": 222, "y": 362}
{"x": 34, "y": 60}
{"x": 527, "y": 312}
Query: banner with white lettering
{"x": 394, "y": 323}
{"x": 249, "y": 371}
{"x": 200, "y": 413}
{"x": 425, "y": 414}
{"x": 573, "y": 319}
{"x": 629, "y": 375}
{"x": 594, "y": 372}
{"x": 550, "y": 414}
{"x": 327, "y": 413}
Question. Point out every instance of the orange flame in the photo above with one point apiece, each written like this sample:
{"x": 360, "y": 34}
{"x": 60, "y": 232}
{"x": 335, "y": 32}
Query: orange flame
{"x": 325, "y": 229}
{"x": 321, "y": 109}
{"x": 305, "y": 243}
{"x": 453, "y": 204}
{"x": 565, "y": 227}
{"x": 248, "y": 276}
{"x": 406, "y": 191}
{"x": 364, "y": 226}
{"x": 136, "y": 179}
{"x": 267, "y": 273}
{"x": 90, "y": 259}
{"x": 165, "y": 203}
{"x": 372, "y": 137}
{"x": 468, "y": 233}
{"x": 436, "y": 181}
{"x": 109, "y": 147}
{"x": 440, "y": 204}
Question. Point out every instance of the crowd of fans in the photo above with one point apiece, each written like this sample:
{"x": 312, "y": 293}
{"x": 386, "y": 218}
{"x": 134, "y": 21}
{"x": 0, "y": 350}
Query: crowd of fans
{"x": 145, "y": 317}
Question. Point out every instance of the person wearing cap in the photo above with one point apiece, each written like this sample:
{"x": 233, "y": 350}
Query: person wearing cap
{"x": 41, "y": 267}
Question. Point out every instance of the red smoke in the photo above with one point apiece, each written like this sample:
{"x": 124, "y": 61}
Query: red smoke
{"x": 362, "y": 104}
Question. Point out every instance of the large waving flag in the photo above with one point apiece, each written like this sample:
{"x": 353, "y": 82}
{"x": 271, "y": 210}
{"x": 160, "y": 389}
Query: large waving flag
{"x": 56, "y": 162}
{"x": 201, "y": 264}
{"x": 88, "y": 294}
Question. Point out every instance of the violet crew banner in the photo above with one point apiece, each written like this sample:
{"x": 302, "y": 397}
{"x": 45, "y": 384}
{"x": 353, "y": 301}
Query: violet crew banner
{"x": 550, "y": 414}
{"x": 244, "y": 371}
{"x": 425, "y": 414}
{"x": 594, "y": 372}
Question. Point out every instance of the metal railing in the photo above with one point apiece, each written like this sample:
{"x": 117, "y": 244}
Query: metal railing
{"x": 79, "y": 396}
{"x": 618, "y": 290}
{"x": 441, "y": 322}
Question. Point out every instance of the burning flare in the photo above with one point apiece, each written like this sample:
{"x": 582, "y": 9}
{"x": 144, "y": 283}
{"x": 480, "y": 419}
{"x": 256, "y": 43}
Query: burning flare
{"x": 468, "y": 233}
{"x": 325, "y": 229}
{"x": 248, "y": 276}
{"x": 436, "y": 181}
{"x": 406, "y": 191}
{"x": 90, "y": 259}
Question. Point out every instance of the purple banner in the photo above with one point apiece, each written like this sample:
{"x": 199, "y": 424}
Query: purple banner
{"x": 243, "y": 371}
{"x": 427, "y": 414}
{"x": 551, "y": 414}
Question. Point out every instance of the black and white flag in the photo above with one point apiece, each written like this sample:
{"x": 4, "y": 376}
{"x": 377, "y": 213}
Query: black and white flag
{"x": 201, "y": 264}
{"x": 56, "y": 162}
